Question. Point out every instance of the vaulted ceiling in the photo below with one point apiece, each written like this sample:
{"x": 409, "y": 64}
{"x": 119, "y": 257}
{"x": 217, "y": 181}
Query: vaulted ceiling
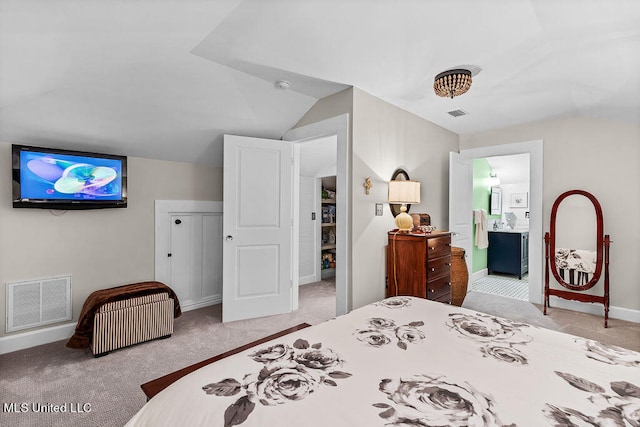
{"x": 166, "y": 79}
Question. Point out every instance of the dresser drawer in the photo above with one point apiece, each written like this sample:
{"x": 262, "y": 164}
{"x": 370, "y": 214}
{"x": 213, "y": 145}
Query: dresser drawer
{"x": 446, "y": 299}
{"x": 439, "y": 288}
{"x": 438, "y": 267}
{"x": 438, "y": 246}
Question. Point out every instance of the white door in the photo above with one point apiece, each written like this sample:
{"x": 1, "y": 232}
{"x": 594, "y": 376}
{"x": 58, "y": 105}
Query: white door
{"x": 257, "y": 228}
{"x": 181, "y": 258}
{"x": 460, "y": 207}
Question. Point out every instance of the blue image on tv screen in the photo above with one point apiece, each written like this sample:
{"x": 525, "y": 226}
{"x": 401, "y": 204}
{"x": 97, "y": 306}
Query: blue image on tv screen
{"x": 68, "y": 177}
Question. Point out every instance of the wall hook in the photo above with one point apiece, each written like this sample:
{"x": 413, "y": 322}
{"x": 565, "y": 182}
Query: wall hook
{"x": 367, "y": 185}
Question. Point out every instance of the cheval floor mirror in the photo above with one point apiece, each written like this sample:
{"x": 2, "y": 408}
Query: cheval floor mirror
{"x": 577, "y": 270}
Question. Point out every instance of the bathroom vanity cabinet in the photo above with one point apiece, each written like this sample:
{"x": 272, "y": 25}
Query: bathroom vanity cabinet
{"x": 508, "y": 252}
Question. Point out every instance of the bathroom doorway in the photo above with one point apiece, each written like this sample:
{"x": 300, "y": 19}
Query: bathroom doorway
{"x": 501, "y": 187}
{"x": 461, "y": 207}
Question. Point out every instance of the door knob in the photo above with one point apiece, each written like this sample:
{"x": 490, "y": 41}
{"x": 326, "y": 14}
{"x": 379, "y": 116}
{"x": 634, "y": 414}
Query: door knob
{"x": 178, "y": 222}
{"x": 229, "y": 238}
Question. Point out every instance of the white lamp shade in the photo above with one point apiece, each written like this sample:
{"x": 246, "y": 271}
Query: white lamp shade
{"x": 404, "y": 192}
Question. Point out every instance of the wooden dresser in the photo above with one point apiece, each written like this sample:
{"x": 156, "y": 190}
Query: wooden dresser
{"x": 421, "y": 264}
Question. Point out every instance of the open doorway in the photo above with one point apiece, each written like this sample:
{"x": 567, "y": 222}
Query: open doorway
{"x": 339, "y": 127}
{"x": 317, "y": 235}
{"x": 501, "y": 187}
{"x": 461, "y": 206}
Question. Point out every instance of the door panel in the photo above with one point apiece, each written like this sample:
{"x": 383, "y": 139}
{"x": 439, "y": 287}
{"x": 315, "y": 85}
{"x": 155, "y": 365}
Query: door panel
{"x": 258, "y": 271}
{"x": 181, "y": 265}
{"x": 211, "y": 255}
{"x": 257, "y": 224}
{"x": 309, "y": 247}
{"x": 188, "y": 255}
{"x": 259, "y": 184}
{"x": 460, "y": 207}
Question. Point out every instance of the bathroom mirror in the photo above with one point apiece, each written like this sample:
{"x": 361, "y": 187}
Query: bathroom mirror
{"x": 496, "y": 201}
{"x": 398, "y": 175}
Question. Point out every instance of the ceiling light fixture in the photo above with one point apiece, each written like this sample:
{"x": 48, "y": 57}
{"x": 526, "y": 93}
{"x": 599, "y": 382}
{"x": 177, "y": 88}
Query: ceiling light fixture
{"x": 452, "y": 83}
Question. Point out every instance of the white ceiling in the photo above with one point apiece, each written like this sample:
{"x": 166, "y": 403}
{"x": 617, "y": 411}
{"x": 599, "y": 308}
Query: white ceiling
{"x": 511, "y": 169}
{"x": 166, "y": 78}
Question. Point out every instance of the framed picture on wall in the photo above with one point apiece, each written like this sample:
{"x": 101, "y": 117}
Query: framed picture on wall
{"x": 519, "y": 200}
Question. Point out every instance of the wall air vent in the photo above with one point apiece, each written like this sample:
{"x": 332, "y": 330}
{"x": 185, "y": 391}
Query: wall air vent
{"x": 457, "y": 113}
{"x": 38, "y": 302}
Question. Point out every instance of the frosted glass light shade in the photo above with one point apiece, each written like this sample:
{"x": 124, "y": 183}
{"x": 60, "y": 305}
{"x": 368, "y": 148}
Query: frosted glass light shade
{"x": 404, "y": 192}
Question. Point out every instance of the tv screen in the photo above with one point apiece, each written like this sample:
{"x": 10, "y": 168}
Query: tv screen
{"x": 64, "y": 179}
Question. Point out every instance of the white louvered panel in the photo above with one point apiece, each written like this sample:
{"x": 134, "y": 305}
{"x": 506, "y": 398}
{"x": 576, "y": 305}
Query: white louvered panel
{"x": 211, "y": 255}
{"x": 38, "y": 302}
{"x": 307, "y": 226}
{"x": 25, "y": 306}
{"x": 55, "y": 295}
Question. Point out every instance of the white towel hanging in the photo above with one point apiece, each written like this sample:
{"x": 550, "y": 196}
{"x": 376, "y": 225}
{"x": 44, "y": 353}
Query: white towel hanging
{"x": 482, "y": 235}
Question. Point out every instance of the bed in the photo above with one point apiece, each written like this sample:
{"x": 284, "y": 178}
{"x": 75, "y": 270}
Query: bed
{"x": 407, "y": 361}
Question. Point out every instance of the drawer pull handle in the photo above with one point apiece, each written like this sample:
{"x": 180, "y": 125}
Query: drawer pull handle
{"x": 432, "y": 290}
{"x": 433, "y": 269}
{"x": 433, "y": 248}
{"x": 447, "y": 264}
{"x": 449, "y": 283}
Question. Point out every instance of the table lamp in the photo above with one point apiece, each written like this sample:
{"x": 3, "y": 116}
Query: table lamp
{"x": 403, "y": 193}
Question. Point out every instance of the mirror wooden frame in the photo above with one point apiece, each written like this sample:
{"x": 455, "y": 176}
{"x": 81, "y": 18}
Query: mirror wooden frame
{"x": 603, "y": 241}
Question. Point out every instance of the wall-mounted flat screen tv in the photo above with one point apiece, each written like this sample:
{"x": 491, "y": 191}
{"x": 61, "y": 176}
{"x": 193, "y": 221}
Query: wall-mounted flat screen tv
{"x": 63, "y": 179}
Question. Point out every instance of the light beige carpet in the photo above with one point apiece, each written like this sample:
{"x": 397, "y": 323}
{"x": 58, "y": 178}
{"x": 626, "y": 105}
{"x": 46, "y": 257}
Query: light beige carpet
{"x": 54, "y": 374}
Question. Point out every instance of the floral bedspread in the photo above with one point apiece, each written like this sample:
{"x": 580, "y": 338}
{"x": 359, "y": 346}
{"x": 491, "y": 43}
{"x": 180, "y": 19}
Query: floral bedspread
{"x": 410, "y": 362}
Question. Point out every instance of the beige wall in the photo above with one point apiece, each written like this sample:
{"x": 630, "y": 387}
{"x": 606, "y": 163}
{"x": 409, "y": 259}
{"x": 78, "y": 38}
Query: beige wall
{"x": 99, "y": 248}
{"x": 386, "y": 137}
{"x": 328, "y": 107}
{"x": 601, "y": 157}
{"x": 383, "y": 138}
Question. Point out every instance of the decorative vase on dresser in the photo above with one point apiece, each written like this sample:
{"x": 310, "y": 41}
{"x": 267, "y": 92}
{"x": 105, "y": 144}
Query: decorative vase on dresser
{"x": 419, "y": 265}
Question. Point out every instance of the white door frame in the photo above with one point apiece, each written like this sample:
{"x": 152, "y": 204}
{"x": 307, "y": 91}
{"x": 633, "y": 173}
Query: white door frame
{"x": 338, "y": 126}
{"x": 536, "y": 235}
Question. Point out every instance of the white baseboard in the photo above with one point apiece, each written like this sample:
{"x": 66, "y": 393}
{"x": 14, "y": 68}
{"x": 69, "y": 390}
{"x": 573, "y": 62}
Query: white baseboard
{"x": 205, "y": 302}
{"x": 620, "y": 313}
{"x": 29, "y": 339}
{"x": 305, "y": 280}
{"x": 478, "y": 275}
